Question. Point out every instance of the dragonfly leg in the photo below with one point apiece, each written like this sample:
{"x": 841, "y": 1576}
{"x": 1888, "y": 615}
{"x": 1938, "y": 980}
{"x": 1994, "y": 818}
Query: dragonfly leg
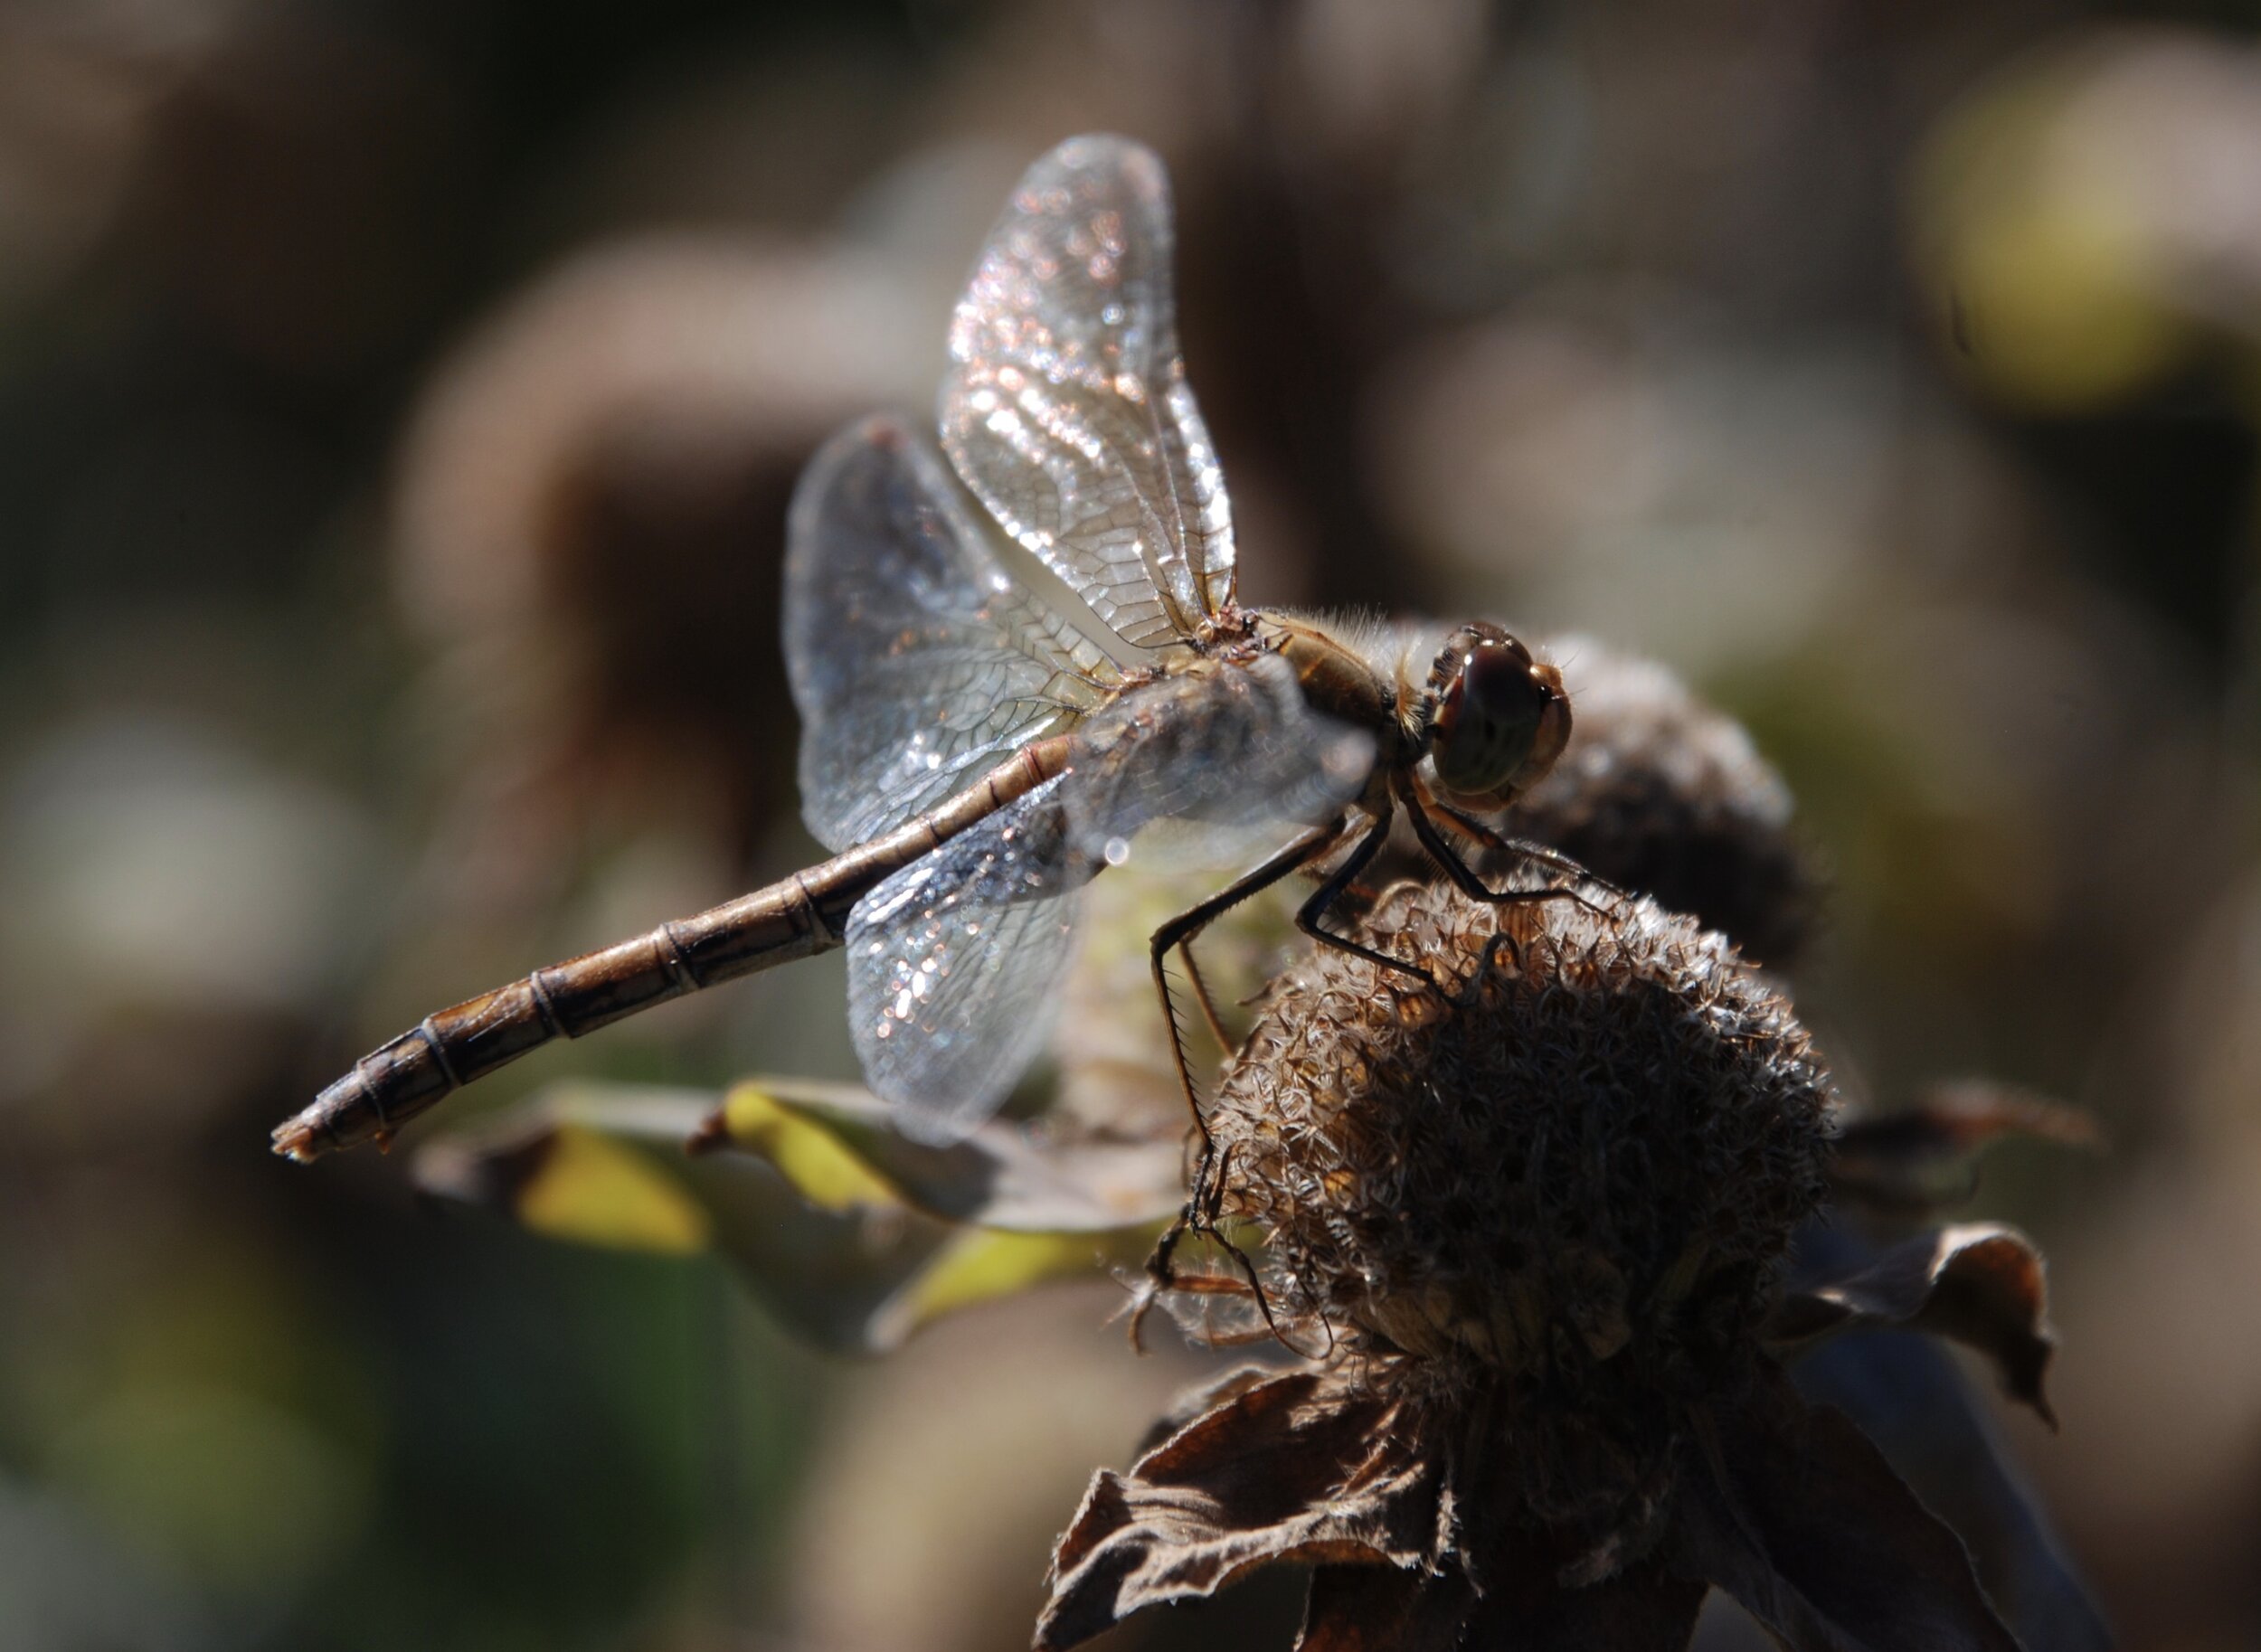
{"x": 1160, "y": 1275}
{"x": 1179, "y": 931}
{"x": 1192, "y": 966}
{"x": 1202, "y": 1215}
{"x": 1325, "y": 896}
{"x": 1473, "y": 886}
{"x": 1551, "y": 859}
{"x": 1198, "y": 1214}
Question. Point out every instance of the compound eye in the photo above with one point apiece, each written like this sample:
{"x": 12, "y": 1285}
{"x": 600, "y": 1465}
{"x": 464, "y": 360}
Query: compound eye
{"x": 1502, "y": 722}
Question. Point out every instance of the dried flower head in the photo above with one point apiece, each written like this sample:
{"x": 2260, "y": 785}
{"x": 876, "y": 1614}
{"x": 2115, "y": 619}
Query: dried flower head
{"x": 1565, "y": 1174}
{"x": 1662, "y": 792}
{"x": 1533, "y": 1214}
{"x": 1571, "y": 1170}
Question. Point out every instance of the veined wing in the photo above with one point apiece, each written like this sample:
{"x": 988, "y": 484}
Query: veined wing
{"x": 1067, "y": 408}
{"x": 916, "y": 662}
{"x": 1227, "y": 744}
{"x": 954, "y": 962}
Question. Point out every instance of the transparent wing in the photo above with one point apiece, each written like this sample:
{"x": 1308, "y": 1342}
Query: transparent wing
{"x": 954, "y": 965}
{"x": 954, "y": 962}
{"x": 1231, "y": 745}
{"x": 916, "y": 662}
{"x": 1066, "y": 410}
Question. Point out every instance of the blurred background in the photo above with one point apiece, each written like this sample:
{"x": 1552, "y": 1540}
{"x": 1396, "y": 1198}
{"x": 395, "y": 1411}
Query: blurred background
{"x": 398, "y": 405}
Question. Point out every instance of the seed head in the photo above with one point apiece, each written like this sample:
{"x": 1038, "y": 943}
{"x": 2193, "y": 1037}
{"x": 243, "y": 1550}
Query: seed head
{"x": 1562, "y": 1178}
{"x": 1660, "y": 792}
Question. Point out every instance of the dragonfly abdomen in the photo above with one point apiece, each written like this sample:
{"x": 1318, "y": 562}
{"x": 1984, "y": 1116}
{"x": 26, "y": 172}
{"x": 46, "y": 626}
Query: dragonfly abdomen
{"x": 796, "y": 918}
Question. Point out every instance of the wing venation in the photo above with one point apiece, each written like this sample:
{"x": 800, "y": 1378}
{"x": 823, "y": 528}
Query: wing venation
{"x": 1067, "y": 408}
{"x": 916, "y": 662}
{"x": 954, "y": 963}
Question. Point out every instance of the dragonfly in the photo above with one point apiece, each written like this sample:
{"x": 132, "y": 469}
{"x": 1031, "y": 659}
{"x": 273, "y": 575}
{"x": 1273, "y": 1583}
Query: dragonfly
{"x": 974, "y": 751}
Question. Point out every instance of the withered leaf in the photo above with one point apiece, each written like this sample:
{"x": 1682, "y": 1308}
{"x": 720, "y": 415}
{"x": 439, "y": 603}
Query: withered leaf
{"x": 829, "y": 1246}
{"x": 1304, "y": 1467}
{"x": 1979, "y": 1283}
{"x": 1004, "y": 1175}
{"x": 1799, "y": 1517}
{"x": 1908, "y": 1396}
{"x": 1922, "y": 1156}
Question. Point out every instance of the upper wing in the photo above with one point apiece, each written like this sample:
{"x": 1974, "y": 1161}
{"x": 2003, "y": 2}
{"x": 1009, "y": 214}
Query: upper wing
{"x": 916, "y": 662}
{"x": 954, "y": 963}
{"x": 1067, "y": 408}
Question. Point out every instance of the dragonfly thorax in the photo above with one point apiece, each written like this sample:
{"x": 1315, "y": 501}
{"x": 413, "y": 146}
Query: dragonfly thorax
{"x": 1342, "y": 681}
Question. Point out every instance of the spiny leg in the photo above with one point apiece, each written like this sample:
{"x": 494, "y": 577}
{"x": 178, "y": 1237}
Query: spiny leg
{"x": 1324, "y": 897}
{"x": 1201, "y": 1216}
{"x": 1205, "y": 1205}
{"x": 1192, "y": 966}
{"x": 1198, "y": 1214}
{"x": 1159, "y": 1275}
{"x": 1180, "y": 931}
{"x": 1551, "y": 859}
{"x": 1469, "y": 883}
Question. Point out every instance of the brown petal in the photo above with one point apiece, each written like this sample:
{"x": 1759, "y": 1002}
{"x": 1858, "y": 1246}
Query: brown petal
{"x": 1384, "y": 1608}
{"x": 1925, "y": 1156}
{"x": 1294, "y": 1468}
{"x": 1982, "y": 1284}
{"x": 1800, "y": 1519}
{"x": 1194, "y": 1402}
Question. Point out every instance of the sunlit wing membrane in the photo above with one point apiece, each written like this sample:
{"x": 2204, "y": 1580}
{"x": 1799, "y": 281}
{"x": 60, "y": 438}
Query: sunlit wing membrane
{"x": 916, "y": 662}
{"x": 954, "y": 965}
{"x": 1066, "y": 408}
{"x": 1231, "y": 745}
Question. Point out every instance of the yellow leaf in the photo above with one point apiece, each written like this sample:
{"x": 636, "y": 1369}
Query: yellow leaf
{"x": 591, "y": 1189}
{"x": 821, "y": 1166}
{"x": 981, "y": 1264}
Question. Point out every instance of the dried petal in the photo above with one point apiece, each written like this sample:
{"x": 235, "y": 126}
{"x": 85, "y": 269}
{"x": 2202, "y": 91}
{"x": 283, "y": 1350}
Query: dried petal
{"x": 1197, "y": 1402}
{"x": 1305, "y": 1467}
{"x": 1982, "y": 1284}
{"x": 1799, "y": 1518}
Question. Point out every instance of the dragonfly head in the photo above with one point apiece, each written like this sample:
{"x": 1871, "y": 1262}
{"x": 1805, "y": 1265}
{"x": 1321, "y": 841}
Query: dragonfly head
{"x": 1497, "y": 718}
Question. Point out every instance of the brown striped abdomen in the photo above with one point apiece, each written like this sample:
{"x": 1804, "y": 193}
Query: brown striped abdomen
{"x": 796, "y": 918}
